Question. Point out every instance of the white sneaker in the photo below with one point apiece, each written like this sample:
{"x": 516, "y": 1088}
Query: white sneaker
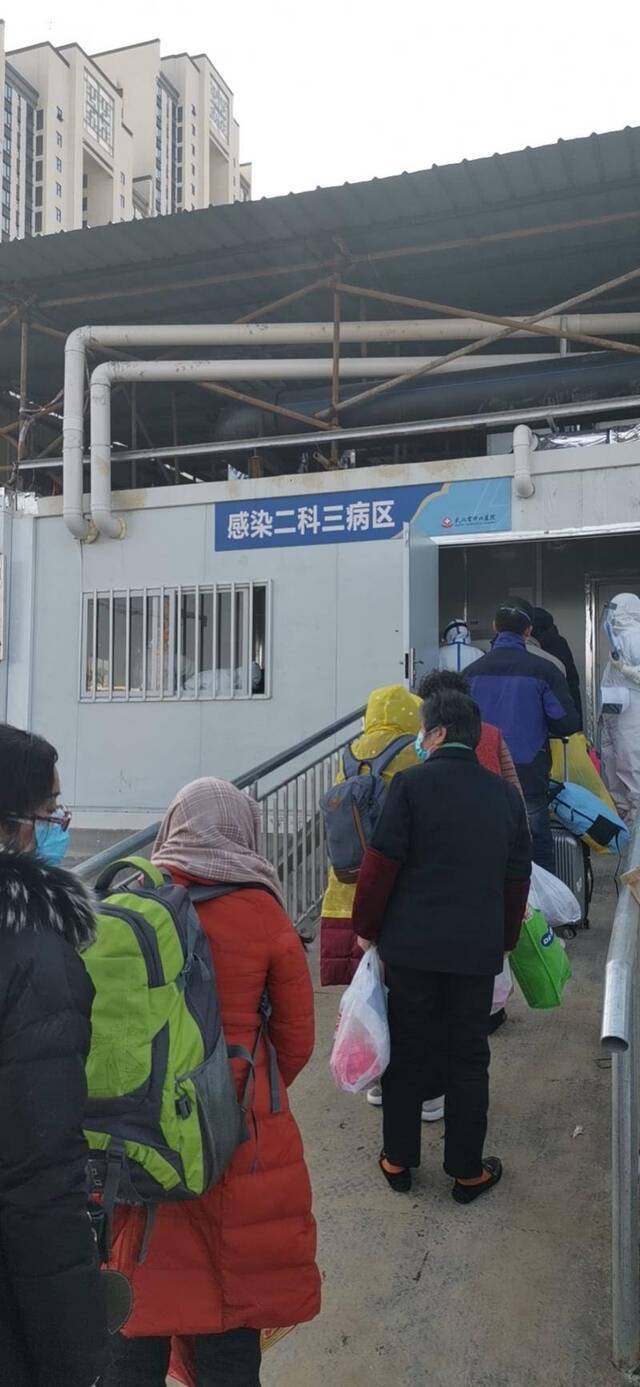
{"x": 374, "y": 1095}
{"x": 433, "y": 1110}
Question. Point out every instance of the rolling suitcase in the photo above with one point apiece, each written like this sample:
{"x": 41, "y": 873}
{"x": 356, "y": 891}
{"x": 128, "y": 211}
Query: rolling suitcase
{"x": 573, "y": 866}
{"x": 573, "y": 863}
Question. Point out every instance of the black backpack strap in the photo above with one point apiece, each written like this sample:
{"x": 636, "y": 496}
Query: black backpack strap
{"x": 201, "y": 892}
{"x": 350, "y": 763}
{"x": 379, "y": 763}
{"x": 238, "y": 1052}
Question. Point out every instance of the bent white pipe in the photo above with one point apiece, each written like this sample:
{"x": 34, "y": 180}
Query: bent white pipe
{"x": 524, "y": 442}
{"x": 264, "y": 334}
{"x": 321, "y": 368}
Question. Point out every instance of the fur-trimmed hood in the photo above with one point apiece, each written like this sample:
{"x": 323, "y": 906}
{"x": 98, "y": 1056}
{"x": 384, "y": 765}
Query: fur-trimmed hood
{"x": 38, "y": 897}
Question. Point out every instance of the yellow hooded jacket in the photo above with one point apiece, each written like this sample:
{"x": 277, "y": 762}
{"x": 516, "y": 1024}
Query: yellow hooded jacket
{"x": 392, "y": 712}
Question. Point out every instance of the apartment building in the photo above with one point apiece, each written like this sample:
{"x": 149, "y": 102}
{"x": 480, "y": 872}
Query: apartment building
{"x": 95, "y": 139}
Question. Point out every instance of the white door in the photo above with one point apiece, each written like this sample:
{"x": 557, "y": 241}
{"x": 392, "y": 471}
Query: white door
{"x": 420, "y": 606}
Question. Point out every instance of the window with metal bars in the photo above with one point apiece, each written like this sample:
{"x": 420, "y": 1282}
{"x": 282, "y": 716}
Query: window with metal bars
{"x": 200, "y": 642}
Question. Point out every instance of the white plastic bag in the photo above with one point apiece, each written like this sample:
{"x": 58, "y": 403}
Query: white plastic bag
{"x": 361, "y": 1046}
{"x": 503, "y": 987}
{"x": 553, "y": 898}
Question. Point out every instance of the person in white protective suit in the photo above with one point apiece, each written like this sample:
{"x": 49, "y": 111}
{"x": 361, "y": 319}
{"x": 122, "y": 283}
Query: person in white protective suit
{"x": 457, "y": 652}
{"x": 621, "y": 705}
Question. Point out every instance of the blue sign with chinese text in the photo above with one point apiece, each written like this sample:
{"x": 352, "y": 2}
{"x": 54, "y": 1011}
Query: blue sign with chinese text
{"x": 344, "y": 517}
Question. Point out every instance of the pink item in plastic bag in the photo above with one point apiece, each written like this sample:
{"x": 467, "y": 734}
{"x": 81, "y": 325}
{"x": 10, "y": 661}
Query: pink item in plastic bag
{"x": 502, "y": 989}
{"x": 361, "y": 1044}
{"x": 595, "y": 759}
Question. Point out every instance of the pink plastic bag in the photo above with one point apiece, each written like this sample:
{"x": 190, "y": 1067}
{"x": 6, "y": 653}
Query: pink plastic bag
{"x": 502, "y": 989}
{"x": 361, "y": 1043}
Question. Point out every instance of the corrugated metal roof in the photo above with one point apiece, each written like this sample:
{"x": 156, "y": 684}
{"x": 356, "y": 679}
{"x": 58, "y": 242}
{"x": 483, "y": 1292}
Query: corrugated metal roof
{"x": 514, "y": 232}
{"x": 567, "y": 181}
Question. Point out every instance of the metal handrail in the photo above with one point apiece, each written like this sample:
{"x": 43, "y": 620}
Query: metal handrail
{"x": 127, "y": 847}
{"x": 620, "y": 1037}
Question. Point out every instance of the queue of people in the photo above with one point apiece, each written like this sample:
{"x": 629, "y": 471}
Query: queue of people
{"x": 441, "y": 891}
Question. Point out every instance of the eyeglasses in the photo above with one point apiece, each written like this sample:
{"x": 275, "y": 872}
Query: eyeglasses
{"x": 60, "y": 816}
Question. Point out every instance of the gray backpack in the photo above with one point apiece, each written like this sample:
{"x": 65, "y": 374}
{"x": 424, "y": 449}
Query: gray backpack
{"x": 352, "y": 810}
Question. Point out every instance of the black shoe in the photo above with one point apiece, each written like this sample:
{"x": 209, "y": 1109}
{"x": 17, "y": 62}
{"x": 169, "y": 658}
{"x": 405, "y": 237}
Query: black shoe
{"x": 495, "y": 1022}
{"x": 400, "y": 1181}
{"x": 465, "y": 1194}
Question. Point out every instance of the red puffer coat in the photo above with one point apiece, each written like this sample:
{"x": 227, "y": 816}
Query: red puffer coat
{"x": 244, "y": 1254}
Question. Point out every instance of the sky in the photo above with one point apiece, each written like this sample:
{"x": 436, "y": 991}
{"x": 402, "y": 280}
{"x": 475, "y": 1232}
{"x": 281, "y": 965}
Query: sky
{"x": 344, "y": 90}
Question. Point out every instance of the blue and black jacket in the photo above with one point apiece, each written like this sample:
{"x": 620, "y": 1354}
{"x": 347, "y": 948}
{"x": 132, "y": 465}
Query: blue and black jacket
{"x": 529, "y": 700}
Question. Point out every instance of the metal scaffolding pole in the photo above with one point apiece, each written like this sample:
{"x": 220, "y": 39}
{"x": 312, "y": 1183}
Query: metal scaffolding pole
{"x": 335, "y": 374}
{"x": 282, "y": 302}
{"x": 23, "y": 414}
{"x": 367, "y": 433}
{"x": 257, "y": 402}
{"x": 512, "y": 325}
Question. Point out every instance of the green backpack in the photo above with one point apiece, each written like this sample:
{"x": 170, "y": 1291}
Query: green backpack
{"x": 163, "y": 1118}
{"x": 539, "y": 963}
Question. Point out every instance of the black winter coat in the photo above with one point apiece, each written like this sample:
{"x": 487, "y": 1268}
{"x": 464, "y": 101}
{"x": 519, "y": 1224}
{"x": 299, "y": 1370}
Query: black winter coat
{"x": 52, "y": 1310}
{"x": 546, "y": 631}
{"x": 461, "y": 836}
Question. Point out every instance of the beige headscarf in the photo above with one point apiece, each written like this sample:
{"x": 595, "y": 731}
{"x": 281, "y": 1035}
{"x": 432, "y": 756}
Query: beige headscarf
{"x": 211, "y": 832}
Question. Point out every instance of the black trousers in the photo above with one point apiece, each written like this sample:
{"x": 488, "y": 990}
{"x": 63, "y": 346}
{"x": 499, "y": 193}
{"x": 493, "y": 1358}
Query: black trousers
{"x": 439, "y": 1026}
{"x": 222, "y": 1360}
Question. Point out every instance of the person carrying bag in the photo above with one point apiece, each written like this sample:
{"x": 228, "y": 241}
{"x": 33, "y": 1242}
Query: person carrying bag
{"x": 442, "y": 891}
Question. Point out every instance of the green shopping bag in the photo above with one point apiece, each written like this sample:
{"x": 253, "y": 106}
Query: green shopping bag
{"x": 539, "y": 963}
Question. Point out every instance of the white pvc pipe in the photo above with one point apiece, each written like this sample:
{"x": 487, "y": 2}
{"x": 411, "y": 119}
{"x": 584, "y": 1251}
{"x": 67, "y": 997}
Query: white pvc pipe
{"x": 244, "y": 335}
{"x": 524, "y": 442}
{"x": 320, "y": 368}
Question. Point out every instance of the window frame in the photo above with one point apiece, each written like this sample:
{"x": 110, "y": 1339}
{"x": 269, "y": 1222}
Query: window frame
{"x": 168, "y": 651}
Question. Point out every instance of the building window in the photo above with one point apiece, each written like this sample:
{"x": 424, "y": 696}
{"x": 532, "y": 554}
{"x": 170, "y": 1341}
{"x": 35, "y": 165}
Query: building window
{"x": 58, "y": 165}
{"x": 169, "y": 643}
{"x": 219, "y": 109}
{"x": 38, "y": 144}
{"x": 85, "y": 180}
{"x": 39, "y": 196}
{"x": 122, "y": 201}
{"x": 98, "y": 112}
{"x": 58, "y": 190}
{"x": 85, "y": 204}
{"x": 38, "y": 221}
{"x": 58, "y": 215}
{"x": 59, "y": 139}
{"x": 59, "y": 113}
{"x": 38, "y": 170}
{"x": 39, "y": 119}
{"x": 193, "y": 110}
{"x": 193, "y": 130}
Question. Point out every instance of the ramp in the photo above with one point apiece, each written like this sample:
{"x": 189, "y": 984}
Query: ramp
{"x": 513, "y": 1291}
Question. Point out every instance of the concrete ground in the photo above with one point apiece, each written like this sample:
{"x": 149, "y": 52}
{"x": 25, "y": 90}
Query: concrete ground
{"x": 510, "y": 1292}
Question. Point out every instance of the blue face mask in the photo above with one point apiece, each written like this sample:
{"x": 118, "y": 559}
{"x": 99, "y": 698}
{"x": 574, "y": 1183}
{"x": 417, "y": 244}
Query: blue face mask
{"x": 422, "y": 751}
{"x": 52, "y": 842}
